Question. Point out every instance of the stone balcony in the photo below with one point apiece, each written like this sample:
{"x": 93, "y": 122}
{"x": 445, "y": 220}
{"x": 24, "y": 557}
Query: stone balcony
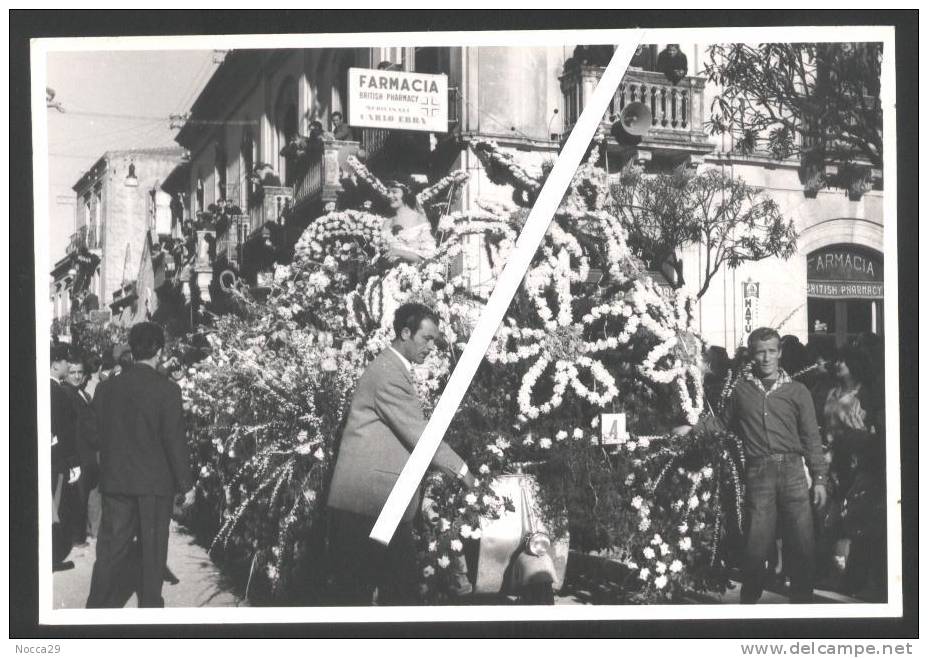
{"x": 87, "y": 237}
{"x": 318, "y": 174}
{"x": 676, "y": 134}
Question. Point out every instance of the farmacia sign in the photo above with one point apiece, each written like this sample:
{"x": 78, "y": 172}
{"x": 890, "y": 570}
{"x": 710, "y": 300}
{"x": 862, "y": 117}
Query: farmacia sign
{"x": 397, "y": 100}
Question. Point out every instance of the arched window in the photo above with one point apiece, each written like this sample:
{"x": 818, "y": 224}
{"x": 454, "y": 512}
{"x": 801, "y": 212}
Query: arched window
{"x": 286, "y": 126}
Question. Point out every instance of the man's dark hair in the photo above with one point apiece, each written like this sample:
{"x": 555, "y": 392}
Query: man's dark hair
{"x": 58, "y": 352}
{"x": 76, "y": 357}
{"x": 762, "y": 333}
{"x": 336, "y": 113}
{"x": 109, "y": 361}
{"x": 92, "y": 363}
{"x": 410, "y": 316}
{"x": 145, "y": 339}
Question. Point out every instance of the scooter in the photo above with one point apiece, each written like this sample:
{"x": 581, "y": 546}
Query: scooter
{"x": 518, "y": 556}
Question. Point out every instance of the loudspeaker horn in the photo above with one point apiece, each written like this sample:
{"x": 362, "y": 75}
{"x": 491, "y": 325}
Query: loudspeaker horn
{"x": 634, "y": 122}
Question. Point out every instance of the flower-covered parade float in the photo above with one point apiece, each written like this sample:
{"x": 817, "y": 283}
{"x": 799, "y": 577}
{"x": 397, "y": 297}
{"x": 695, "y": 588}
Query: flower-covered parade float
{"x": 589, "y": 332}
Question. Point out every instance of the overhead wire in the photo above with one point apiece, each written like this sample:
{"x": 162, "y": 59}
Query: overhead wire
{"x": 90, "y": 136}
{"x": 194, "y": 85}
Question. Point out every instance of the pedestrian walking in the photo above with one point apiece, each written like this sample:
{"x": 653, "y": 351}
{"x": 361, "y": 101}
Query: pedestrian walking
{"x": 144, "y": 466}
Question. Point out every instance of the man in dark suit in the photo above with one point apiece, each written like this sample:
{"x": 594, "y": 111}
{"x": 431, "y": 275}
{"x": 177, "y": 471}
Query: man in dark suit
{"x": 65, "y": 465}
{"x": 144, "y": 462}
{"x": 383, "y": 426}
{"x": 86, "y": 443}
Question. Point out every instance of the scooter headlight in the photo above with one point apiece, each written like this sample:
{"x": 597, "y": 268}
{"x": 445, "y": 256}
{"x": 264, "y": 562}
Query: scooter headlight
{"x": 538, "y": 544}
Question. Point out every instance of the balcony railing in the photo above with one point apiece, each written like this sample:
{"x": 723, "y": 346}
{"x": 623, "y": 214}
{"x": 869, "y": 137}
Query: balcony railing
{"x": 270, "y": 206}
{"x": 318, "y": 173}
{"x": 676, "y": 109}
{"x": 87, "y": 237}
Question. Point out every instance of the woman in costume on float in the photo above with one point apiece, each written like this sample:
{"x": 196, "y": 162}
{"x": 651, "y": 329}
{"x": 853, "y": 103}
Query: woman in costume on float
{"x": 407, "y": 233}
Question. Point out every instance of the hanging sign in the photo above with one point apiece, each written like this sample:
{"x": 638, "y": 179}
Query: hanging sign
{"x": 751, "y": 301}
{"x": 397, "y": 100}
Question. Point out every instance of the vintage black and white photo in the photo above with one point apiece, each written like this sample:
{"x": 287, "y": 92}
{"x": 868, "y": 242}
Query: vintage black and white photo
{"x": 265, "y": 260}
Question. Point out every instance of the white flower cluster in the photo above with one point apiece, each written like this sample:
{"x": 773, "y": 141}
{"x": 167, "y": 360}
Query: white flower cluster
{"x": 561, "y": 344}
{"x": 676, "y": 356}
{"x": 452, "y": 180}
{"x": 338, "y": 225}
{"x": 660, "y": 561}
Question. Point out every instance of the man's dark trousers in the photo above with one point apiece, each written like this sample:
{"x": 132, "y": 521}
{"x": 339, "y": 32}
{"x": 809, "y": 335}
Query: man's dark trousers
{"x": 776, "y": 486}
{"x": 125, "y": 517}
{"x": 359, "y": 564}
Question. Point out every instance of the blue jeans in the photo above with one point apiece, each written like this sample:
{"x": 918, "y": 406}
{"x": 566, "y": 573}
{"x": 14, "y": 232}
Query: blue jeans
{"x": 776, "y": 487}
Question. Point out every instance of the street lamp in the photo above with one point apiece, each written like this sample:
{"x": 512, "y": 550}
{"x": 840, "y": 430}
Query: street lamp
{"x": 131, "y": 179}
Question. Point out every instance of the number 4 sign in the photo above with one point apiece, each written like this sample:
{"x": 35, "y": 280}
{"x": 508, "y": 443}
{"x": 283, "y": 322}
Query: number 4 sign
{"x": 613, "y": 429}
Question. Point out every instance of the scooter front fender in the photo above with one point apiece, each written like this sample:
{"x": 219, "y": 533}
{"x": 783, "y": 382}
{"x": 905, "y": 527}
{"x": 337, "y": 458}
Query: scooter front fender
{"x": 528, "y": 569}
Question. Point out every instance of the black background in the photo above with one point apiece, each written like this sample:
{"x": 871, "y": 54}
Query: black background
{"x": 23, "y": 454}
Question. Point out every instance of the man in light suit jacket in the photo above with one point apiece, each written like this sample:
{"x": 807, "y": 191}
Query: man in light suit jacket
{"x": 144, "y": 463}
{"x": 383, "y": 427}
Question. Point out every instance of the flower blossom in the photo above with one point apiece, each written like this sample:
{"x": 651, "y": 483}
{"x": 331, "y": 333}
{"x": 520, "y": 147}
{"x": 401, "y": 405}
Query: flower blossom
{"x": 685, "y": 544}
{"x": 444, "y": 561}
{"x": 456, "y": 545}
{"x": 660, "y": 582}
{"x": 676, "y": 566}
{"x": 544, "y": 443}
{"x": 648, "y": 552}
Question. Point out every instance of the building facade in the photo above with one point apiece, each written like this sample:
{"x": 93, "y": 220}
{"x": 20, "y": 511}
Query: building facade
{"x": 830, "y": 291}
{"x": 118, "y": 204}
{"x": 527, "y": 99}
{"x": 259, "y": 102}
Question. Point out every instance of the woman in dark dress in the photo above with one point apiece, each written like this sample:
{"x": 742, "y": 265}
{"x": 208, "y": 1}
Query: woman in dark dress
{"x": 854, "y": 431}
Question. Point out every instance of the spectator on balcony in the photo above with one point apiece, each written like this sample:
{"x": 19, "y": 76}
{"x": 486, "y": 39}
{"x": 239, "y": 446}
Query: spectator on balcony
{"x": 407, "y": 233}
{"x": 672, "y": 63}
{"x": 340, "y": 129}
{"x": 643, "y": 57}
{"x": 593, "y": 55}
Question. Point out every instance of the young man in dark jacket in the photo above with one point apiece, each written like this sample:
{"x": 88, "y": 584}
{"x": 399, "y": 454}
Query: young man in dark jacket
{"x": 144, "y": 462}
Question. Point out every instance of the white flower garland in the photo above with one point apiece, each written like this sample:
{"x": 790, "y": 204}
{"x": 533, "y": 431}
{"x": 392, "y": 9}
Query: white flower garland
{"x": 454, "y": 179}
{"x": 370, "y": 180}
